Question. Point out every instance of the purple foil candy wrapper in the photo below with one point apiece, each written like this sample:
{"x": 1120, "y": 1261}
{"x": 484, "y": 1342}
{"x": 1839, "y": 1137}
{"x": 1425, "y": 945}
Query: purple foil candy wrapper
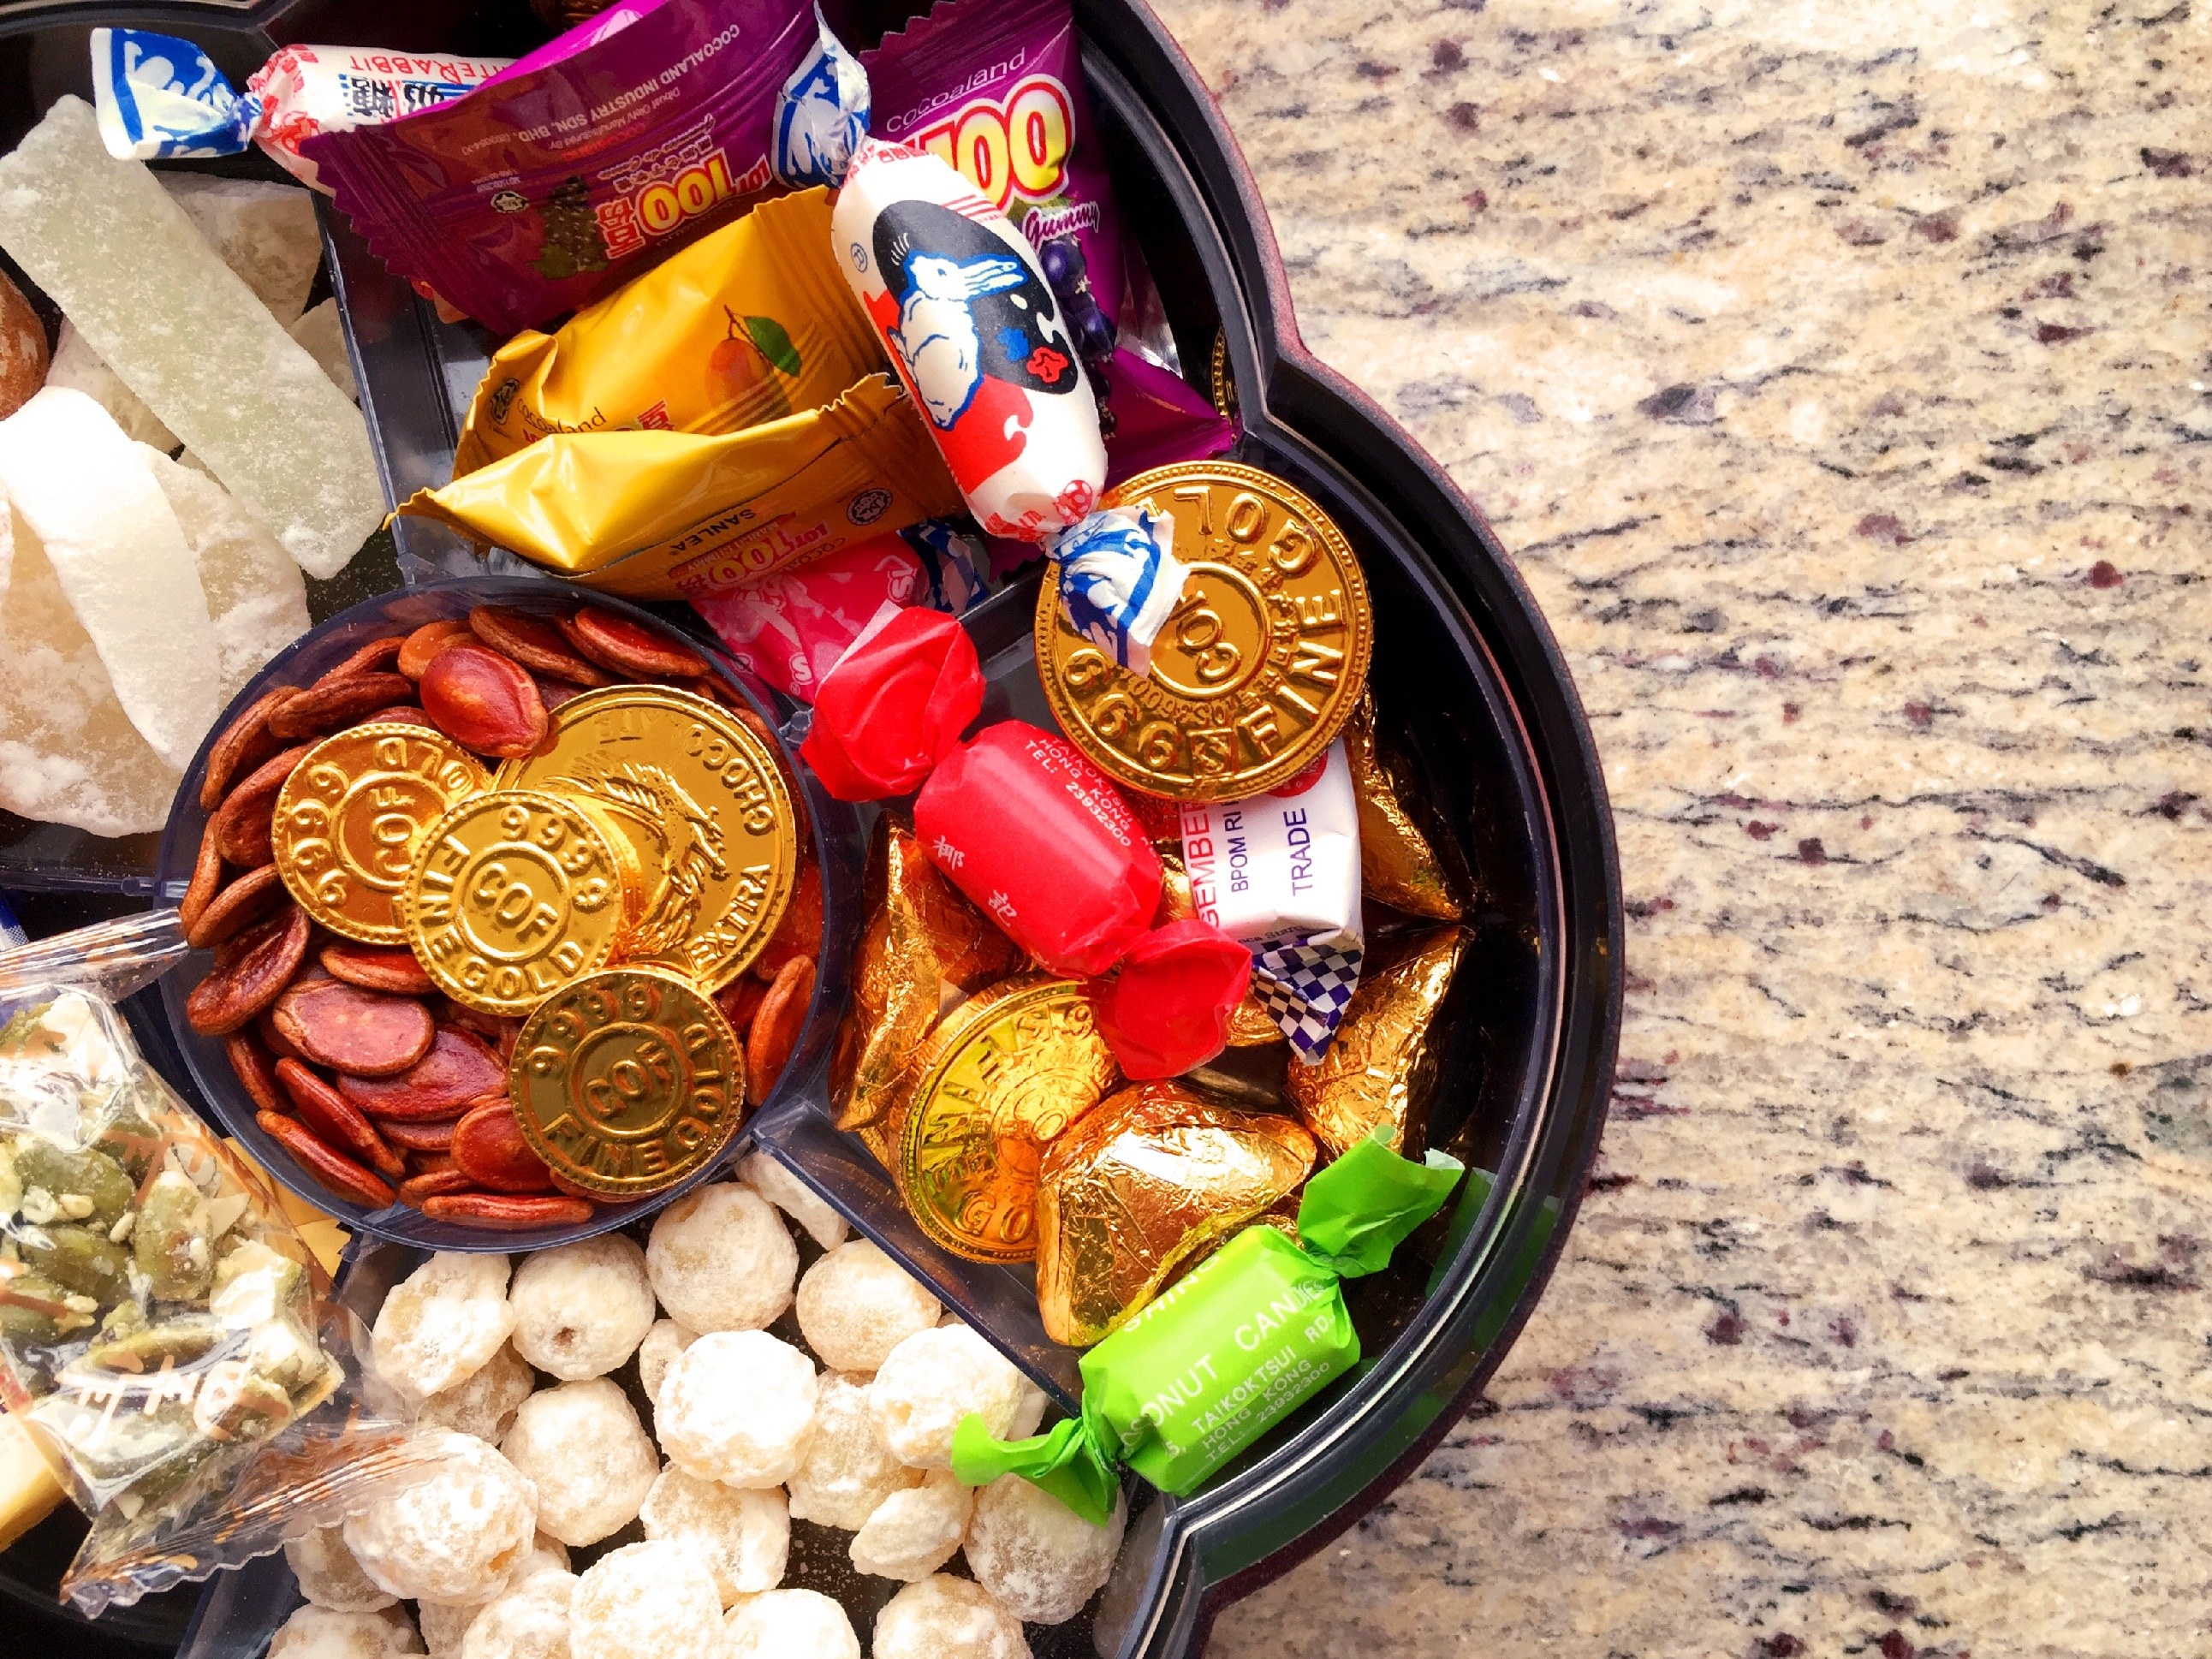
{"x": 550, "y": 185}
{"x": 995, "y": 88}
{"x": 1159, "y": 420}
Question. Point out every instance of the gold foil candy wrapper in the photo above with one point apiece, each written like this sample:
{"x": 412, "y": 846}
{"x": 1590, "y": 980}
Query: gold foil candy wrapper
{"x": 1151, "y": 1180}
{"x": 921, "y": 935}
{"x": 1397, "y": 865}
{"x": 1381, "y": 1064}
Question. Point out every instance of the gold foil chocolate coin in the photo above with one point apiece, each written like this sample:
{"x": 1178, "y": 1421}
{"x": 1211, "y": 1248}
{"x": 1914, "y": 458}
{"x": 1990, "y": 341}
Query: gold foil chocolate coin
{"x": 627, "y": 1080}
{"x": 1257, "y": 668}
{"x": 697, "y": 795}
{"x": 349, "y": 819}
{"x": 1007, "y": 1073}
{"x": 514, "y": 894}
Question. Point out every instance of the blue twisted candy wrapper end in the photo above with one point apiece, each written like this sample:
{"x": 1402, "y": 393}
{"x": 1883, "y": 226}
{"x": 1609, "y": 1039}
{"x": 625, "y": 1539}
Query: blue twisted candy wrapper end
{"x": 822, "y": 115}
{"x": 157, "y": 98}
{"x": 1305, "y": 986}
{"x": 1119, "y": 581}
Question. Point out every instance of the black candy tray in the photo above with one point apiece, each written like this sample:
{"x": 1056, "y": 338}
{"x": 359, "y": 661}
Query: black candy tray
{"x": 1465, "y": 667}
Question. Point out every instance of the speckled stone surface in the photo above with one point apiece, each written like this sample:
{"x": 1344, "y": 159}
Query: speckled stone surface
{"x": 1837, "y": 372}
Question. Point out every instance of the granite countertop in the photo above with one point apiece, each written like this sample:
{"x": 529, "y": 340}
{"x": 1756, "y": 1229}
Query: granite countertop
{"x": 1837, "y": 374}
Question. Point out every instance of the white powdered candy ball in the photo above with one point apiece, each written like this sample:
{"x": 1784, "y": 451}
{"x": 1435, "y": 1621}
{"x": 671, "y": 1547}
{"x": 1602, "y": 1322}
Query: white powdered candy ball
{"x": 330, "y": 1577}
{"x": 722, "y": 1259}
{"x": 657, "y": 1352}
{"x": 789, "y": 1624}
{"x": 932, "y": 1380}
{"x": 314, "y": 1633}
{"x": 484, "y": 1402}
{"x": 742, "y": 1534}
{"x": 582, "y": 1444}
{"x": 445, "y": 1626}
{"x": 529, "y": 1622}
{"x": 944, "y": 1618}
{"x": 738, "y": 1406}
{"x": 914, "y": 1533}
{"x": 856, "y": 1305}
{"x": 1027, "y": 1415}
{"x": 848, "y": 1469}
{"x": 442, "y": 1322}
{"x": 1039, "y": 1559}
{"x": 794, "y": 1198}
{"x": 453, "y": 1537}
{"x": 581, "y": 1310}
{"x": 654, "y": 1601}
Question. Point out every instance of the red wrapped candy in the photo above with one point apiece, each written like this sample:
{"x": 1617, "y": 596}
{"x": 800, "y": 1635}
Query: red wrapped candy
{"x": 1042, "y": 841}
{"x": 1167, "y": 1009}
{"x": 893, "y": 703}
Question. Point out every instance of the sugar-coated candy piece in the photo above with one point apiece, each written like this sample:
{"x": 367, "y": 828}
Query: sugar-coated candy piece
{"x": 650, "y": 1600}
{"x": 321, "y": 331}
{"x": 266, "y": 233}
{"x": 530, "y": 1621}
{"x": 454, "y": 1536}
{"x": 69, "y": 753}
{"x": 442, "y": 1322}
{"x": 328, "y": 1576}
{"x": 1024, "y": 825}
{"x": 914, "y": 1533}
{"x": 128, "y": 267}
{"x": 256, "y": 598}
{"x": 789, "y": 1624}
{"x": 722, "y": 1260}
{"x": 848, "y": 1469}
{"x": 931, "y": 1381}
{"x": 582, "y": 1445}
{"x": 946, "y": 1618}
{"x": 445, "y": 1625}
{"x": 313, "y": 1632}
{"x": 657, "y": 1352}
{"x": 77, "y": 366}
{"x": 483, "y": 1403}
{"x": 1168, "y": 1007}
{"x": 767, "y": 1176}
{"x": 856, "y": 1305}
{"x": 75, "y": 480}
{"x": 1039, "y": 1559}
{"x": 744, "y": 1534}
{"x": 738, "y": 1406}
{"x": 974, "y": 332}
{"x": 895, "y": 702}
{"x": 581, "y": 1310}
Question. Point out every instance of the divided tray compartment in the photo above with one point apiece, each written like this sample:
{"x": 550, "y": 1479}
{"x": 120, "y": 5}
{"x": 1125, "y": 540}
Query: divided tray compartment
{"x": 1466, "y": 666}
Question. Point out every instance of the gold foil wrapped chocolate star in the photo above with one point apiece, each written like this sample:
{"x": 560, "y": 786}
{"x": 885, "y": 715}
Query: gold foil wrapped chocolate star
{"x": 922, "y": 934}
{"x": 1397, "y": 864}
{"x": 1382, "y": 1063}
{"x": 1151, "y": 1179}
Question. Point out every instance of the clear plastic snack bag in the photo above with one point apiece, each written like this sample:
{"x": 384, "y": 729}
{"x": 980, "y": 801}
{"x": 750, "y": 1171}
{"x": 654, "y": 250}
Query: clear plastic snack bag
{"x": 173, "y": 1345}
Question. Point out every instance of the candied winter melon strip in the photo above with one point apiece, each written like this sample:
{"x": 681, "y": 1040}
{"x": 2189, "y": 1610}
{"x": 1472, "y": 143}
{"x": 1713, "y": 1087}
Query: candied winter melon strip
{"x": 124, "y": 262}
{"x": 114, "y": 541}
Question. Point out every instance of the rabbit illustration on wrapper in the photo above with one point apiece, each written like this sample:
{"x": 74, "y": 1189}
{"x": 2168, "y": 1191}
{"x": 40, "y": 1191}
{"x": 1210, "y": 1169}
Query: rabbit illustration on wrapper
{"x": 977, "y": 336}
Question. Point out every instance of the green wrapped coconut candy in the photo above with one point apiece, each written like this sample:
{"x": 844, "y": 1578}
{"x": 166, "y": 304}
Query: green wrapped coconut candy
{"x": 1229, "y": 1350}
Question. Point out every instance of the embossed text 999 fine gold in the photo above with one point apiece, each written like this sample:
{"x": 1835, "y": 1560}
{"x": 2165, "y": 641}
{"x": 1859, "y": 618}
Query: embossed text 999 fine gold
{"x": 623, "y": 1082}
{"x": 1259, "y": 665}
{"x": 1004, "y": 1077}
{"x": 512, "y": 896}
{"x": 349, "y": 817}
{"x": 697, "y": 796}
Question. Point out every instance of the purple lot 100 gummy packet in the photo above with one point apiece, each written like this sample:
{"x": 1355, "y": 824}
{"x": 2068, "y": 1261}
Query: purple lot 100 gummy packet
{"x": 553, "y": 183}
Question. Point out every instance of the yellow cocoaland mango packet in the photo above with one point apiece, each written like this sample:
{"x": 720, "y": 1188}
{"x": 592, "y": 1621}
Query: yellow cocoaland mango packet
{"x": 670, "y": 515}
{"x": 740, "y": 328}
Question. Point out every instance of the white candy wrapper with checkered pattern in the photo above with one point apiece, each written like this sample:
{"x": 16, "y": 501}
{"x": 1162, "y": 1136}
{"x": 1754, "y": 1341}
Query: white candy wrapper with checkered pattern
{"x": 1280, "y": 872}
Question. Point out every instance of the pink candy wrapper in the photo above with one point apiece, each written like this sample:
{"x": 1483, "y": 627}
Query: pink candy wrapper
{"x": 995, "y": 88}
{"x": 549, "y": 186}
{"x": 791, "y": 628}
